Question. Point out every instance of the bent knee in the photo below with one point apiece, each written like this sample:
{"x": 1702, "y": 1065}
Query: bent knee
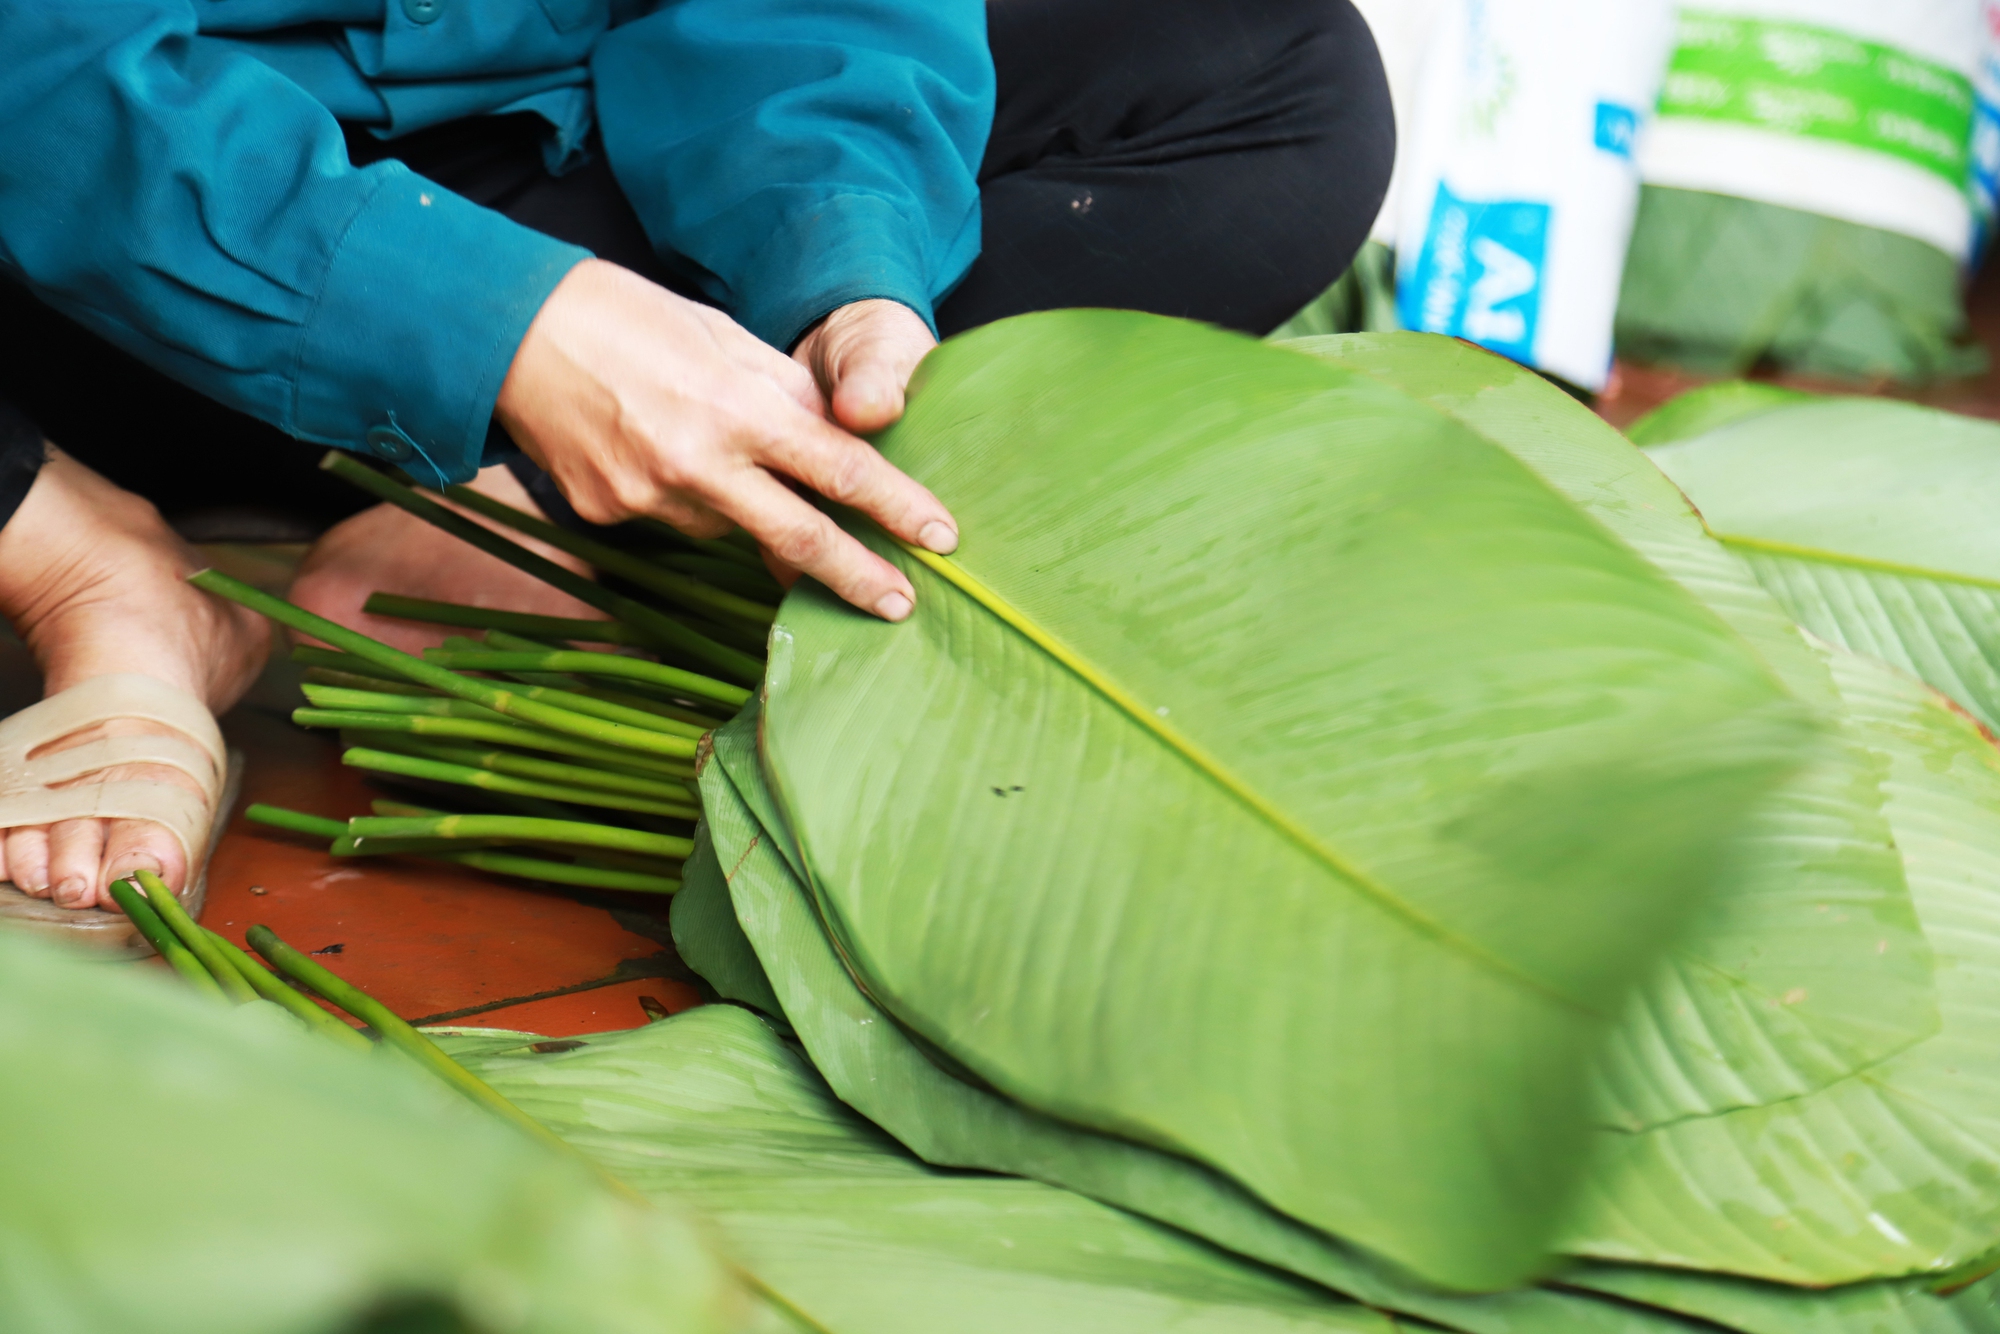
{"x": 1337, "y": 73}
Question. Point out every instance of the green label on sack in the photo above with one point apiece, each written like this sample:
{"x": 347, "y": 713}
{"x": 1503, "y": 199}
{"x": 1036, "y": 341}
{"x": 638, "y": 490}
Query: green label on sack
{"x": 1801, "y": 80}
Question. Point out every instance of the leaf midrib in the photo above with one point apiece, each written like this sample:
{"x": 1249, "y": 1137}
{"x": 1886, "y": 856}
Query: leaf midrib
{"x": 1798, "y": 551}
{"x": 969, "y": 584}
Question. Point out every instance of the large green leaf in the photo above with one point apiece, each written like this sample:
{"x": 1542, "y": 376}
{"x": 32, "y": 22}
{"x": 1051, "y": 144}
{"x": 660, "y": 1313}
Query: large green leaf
{"x": 1872, "y": 522}
{"x": 1896, "y": 1169}
{"x": 873, "y": 1066}
{"x": 1274, "y": 673}
{"x": 1580, "y": 456}
{"x": 168, "y": 1165}
{"x": 1699, "y": 411}
{"x": 1645, "y": 511}
{"x": 852, "y": 1234}
{"x": 1809, "y": 964}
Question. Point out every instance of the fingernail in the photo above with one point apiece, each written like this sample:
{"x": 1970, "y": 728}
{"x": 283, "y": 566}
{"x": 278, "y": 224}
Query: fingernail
{"x": 893, "y": 607}
{"x": 70, "y": 890}
{"x": 938, "y": 536}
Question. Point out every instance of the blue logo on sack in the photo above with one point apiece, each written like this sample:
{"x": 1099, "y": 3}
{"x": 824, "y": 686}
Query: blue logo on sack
{"x": 1617, "y": 127}
{"x": 1479, "y": 274}
{"x": 1983, "y": 186}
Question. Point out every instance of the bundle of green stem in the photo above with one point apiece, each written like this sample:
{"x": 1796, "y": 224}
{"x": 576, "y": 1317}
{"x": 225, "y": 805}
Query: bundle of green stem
{"x": 216, "y": 966}
{"x": 540, "y": 759}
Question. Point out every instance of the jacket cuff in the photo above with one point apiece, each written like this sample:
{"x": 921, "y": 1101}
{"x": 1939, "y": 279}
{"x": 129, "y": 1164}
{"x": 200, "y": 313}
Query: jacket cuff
{"x": 418, "y": 318}
{"x": 850, "y": 247}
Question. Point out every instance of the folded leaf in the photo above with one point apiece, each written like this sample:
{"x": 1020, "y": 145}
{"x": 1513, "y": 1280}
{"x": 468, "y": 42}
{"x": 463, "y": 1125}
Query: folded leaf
{"x": 1896, "y": 1169}
{"x": 706, "y": 934}
{"x": 1267, "y": 671}
{"x": 1872, "y": 522}
{"x": 846, "y": 1232}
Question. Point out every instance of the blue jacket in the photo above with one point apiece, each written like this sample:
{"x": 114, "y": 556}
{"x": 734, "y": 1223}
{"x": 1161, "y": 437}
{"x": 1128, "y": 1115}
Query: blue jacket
{"x": 172, "y": 175}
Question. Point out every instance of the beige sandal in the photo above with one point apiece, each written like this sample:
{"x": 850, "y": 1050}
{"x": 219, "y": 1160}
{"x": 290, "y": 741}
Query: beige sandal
{"x": 28, "y": 795}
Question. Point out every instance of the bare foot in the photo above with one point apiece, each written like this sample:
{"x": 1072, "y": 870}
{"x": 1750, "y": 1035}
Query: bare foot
{"x": 91, "y": 579}
{"x": 387, "y": 550}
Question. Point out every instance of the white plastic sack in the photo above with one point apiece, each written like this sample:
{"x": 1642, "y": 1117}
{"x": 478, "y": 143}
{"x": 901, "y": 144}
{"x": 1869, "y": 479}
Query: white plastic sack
{"x": 1853, "y": 109}
{"x": 1517, "y": 184}
{"x": 1402, "y": 30}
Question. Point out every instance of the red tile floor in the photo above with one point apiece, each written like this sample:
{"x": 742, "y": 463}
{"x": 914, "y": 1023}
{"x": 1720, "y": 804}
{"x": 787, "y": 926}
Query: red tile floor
{"x": 443, "y": 944}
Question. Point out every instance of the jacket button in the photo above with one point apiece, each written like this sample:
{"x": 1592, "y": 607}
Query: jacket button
{"x": 390, "y": 443}
{"x": 422, "y": 11}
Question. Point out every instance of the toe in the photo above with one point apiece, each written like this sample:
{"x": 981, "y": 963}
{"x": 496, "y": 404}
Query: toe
{"x": 28, "y": 859}
{"x": 138, "y": 845}
{"x": 76, "y": 850}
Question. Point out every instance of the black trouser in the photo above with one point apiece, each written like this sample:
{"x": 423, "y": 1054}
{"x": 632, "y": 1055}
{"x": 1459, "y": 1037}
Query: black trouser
{"x": 1186, "y": 157}
{"x": 21, "y": 452}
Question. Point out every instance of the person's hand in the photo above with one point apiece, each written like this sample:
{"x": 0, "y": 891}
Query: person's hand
{"x": 639, "y": 402}
{"x": 861, "y": 357}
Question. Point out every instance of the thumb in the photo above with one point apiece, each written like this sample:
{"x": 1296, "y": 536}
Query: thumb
{"x": 869, "y": 396}
{"x": 873, "y": 346}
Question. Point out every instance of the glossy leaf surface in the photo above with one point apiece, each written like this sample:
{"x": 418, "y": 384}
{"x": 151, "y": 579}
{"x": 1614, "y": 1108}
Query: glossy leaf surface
{"x": 1895, "y": 1169}
{"x": 1408, "y": 739}
{"x": 850, "y": 1233}
{"x": 1809, "y": 964}
{"x": 1872, "y": 522}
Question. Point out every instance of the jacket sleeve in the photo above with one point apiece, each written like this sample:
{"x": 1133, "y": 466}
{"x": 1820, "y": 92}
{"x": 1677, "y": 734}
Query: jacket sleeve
{"x": 791, "y": 156}
{"x": 196, "y": 208}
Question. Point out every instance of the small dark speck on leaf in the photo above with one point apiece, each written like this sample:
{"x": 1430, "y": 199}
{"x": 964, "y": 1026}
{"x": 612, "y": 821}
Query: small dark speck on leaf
{"x": 336, "y": 948}
{"x": 999, "y": 791}
{"x": 557, "y": 1044}
{"x": 1018, "y": 788}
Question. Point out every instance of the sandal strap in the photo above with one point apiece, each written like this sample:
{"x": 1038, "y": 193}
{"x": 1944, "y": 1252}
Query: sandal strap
{"x": 103, "y": 698}
{"x": 182, "y": 813}
{"x": 109, "y": 752}
{"x": 26, "y": 797}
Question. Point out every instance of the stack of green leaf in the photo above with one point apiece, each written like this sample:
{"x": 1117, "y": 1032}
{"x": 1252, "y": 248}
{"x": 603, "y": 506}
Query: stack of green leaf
{"x": 1720, "y": 284}
{"x": 1343, "y": 810}
{"x": 175, "y": 1166}
{"x": 1342, "y": 803}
